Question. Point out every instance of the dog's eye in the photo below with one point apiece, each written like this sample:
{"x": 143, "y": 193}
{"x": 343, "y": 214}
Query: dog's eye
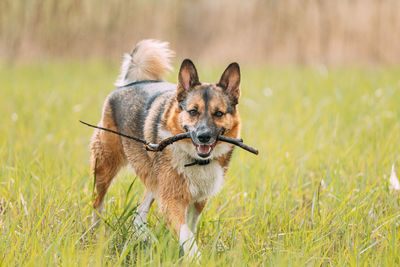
{"x": 193, "y": 112}
{"x": 219, "y": 114}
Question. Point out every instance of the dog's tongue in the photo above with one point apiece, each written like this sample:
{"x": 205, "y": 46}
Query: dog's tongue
{"x": 204, "y": 149}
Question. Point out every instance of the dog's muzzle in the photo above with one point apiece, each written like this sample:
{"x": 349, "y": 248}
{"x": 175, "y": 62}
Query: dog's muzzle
{"x": 204, "y": 142}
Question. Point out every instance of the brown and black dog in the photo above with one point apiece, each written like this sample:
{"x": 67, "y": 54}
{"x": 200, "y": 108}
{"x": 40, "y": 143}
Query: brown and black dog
{"x": 145, "y": 107}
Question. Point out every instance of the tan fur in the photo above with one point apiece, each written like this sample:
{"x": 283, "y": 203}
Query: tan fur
{"x": 106, "y": 157}
{"x": 169, "y": 187}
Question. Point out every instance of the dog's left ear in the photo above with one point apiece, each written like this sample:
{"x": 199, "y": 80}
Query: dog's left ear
{"x": 230, "y": 81}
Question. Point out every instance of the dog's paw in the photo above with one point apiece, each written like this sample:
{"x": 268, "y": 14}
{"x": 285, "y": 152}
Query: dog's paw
{"x": 191, "y": 251}
{"x": 142, "y": 232}
{"x": 194, "y": 254}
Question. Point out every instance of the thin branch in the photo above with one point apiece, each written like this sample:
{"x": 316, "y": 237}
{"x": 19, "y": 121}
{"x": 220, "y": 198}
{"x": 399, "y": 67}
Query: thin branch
{"x": 111, "y": 131}
{"x": 238, "y": 142}
{"x": 166, "y": 142}
{"x": 170, "y": 140}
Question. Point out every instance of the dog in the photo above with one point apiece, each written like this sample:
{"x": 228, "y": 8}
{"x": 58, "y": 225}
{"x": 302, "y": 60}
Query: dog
{"x": 145, "y": 106}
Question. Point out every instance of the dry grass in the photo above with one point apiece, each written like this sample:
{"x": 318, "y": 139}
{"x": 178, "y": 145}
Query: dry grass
{"x": 287, "y": 31}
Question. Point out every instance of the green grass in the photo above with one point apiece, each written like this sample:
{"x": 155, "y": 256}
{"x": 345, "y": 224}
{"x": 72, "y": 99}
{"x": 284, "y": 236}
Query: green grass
{"x": 341, "y": 126}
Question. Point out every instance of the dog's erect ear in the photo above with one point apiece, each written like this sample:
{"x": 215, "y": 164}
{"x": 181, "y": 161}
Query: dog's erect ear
{"x": 187, "y": 78}
{"x": 230, "y": 81}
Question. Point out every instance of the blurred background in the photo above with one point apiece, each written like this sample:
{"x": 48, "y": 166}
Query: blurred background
{"x": 253, "y": 31}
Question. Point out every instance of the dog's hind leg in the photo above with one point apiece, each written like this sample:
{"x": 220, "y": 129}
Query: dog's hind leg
{"x": 106, "y": 159}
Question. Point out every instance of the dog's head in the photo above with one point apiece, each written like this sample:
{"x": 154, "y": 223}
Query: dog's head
{"x": 207, "y": 110}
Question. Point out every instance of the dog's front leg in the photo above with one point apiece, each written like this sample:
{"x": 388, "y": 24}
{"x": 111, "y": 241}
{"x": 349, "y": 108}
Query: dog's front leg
{"x": 142, "y": 214}
{"x": 175, "y": 210}
{"x": 143, "y": 210}
{"x": 186, "y": 240}
{"x": 193, "y": 213}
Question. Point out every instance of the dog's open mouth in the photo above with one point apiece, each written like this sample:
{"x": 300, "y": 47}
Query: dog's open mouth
{"x": 204, "y": 150}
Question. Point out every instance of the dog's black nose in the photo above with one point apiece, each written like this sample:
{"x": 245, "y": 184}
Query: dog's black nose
{"x": 204, "y": 136}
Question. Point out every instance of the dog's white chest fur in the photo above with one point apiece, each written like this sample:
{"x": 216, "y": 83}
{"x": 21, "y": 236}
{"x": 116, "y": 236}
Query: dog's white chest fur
{"x": 203, "y": 180}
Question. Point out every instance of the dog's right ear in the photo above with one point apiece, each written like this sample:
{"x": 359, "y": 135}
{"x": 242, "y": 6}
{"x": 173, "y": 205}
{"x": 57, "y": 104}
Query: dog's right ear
{"x": 187, "y": 79}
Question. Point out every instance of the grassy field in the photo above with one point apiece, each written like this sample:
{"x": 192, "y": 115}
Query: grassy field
{"x": 317, "y": 194}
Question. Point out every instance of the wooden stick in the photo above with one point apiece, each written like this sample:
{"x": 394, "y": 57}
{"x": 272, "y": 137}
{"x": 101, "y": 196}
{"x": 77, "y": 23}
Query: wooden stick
{"x": 238, "y": 142}
{"x": 167, "y": 141}
{"x": 170, "y": 140}
{"x": 114, "y": 132}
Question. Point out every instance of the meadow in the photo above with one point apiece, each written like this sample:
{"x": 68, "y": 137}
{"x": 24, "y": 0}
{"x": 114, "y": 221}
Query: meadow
{"x": 317, "y": 194}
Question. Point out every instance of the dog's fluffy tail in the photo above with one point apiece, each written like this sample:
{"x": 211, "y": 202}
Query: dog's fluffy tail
{"x": 149, "y": 60}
